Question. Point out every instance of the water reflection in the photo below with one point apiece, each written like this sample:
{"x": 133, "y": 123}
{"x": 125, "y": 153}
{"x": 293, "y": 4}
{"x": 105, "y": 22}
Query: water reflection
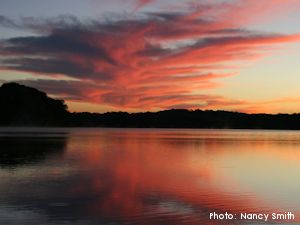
{"x": 19, "y": 151}
{"x": 151, "y": 177}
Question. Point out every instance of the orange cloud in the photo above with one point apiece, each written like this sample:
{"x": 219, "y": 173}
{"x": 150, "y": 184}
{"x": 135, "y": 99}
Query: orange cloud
{"x": 162, "y": 60}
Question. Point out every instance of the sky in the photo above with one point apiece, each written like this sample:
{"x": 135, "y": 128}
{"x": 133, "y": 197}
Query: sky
{"x": 150, "y": 55}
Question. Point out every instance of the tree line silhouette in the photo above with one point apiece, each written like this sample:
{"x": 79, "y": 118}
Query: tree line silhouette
{"x": 26, "y": 106}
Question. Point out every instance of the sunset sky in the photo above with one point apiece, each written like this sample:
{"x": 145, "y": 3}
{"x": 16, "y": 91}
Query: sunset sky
{"x": 149, "y": 55}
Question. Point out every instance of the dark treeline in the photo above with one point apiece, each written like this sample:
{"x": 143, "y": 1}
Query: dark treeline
{"x": 25, "y": 106}
{"x": 180, "y": 118}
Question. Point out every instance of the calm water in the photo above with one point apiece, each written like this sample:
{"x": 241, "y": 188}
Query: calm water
{"x": 146, "y": 177}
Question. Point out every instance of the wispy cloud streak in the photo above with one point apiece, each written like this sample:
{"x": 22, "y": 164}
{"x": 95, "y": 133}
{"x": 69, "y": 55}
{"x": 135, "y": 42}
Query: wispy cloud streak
{"x": 142, "y": 3}
{"x": 156, "y": 61}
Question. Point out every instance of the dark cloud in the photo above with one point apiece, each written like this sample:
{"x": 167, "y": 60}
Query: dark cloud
{"x": 153, "y": 60}
{"x": 52, "y": 67}
{"x": 6, "y": 22}
{"x": 67, "y": 89}
{"x": 68, "y": 42}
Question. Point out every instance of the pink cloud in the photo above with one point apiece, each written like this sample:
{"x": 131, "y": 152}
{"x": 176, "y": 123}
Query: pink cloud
{"x": 141, "y": 3}
{"x": 163, "y": 60}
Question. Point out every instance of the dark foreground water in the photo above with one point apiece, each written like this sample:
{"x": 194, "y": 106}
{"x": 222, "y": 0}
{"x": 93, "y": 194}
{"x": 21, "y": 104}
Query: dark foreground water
{"x": 147, "y": 177}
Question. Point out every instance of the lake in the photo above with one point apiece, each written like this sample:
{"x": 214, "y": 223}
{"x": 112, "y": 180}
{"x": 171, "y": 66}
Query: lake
{"x": 148, "y": 176}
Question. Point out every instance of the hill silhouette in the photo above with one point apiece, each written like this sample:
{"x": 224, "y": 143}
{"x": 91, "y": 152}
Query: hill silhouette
{"x": 26, "y": 106}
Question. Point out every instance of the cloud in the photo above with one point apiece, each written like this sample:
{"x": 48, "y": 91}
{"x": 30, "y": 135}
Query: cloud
{"x": 270, "y": 106}
{"x": 156, "y": 60}
{"x": 75, "y": 90}
{"x": 6, "y": 22}
{"x": 142, "y": 3}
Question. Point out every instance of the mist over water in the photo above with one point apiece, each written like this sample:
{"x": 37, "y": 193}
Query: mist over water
{"x": 146, "y": 176}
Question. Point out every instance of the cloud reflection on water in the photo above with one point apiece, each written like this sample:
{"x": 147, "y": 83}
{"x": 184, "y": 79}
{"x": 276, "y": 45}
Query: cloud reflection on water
{"x": 158, "y": 177}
